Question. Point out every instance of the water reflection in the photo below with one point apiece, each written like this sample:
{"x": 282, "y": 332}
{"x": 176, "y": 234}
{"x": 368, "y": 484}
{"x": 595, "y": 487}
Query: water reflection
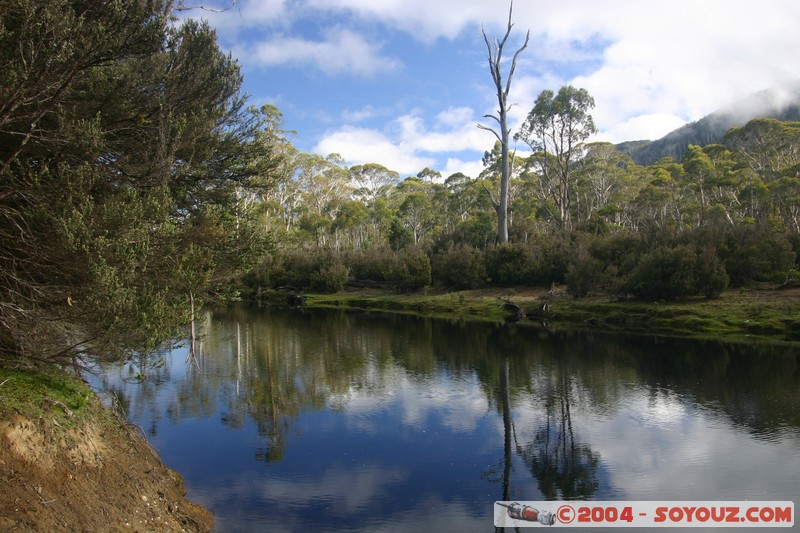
{"x": 360, "y": 422}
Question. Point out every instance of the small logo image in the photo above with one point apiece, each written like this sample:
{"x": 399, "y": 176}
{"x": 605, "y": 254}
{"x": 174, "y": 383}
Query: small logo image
{"x": 517, "y": 511}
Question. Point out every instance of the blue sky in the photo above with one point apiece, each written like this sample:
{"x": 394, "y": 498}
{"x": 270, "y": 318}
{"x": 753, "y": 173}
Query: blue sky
{"x": 404, "y": 83}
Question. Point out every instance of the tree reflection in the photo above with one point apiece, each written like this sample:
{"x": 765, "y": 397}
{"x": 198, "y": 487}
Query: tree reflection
{"x": 564, "y": 468}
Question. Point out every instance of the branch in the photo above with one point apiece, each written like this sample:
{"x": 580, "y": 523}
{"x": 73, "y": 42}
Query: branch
{"x": 514, "y": 61}
{"x": 492, "y": 199}
{"x": 487, "y": 128}
{"x": 181, "y": 7}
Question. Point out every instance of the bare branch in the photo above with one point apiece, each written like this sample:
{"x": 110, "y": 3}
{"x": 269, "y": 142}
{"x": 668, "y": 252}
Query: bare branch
{"x": 514, "y": 61}
{"x": 487, "y": 128}
{"x": 492, "y": 199}
{"x": 497, "y": 119}
{"x": 182, "y": 7}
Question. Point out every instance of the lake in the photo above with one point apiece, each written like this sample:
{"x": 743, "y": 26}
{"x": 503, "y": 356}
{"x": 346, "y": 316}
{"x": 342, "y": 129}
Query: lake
{"x": 337, "y": 421}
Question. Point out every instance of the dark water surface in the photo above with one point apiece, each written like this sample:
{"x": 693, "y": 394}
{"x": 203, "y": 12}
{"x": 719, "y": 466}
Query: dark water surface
{"x": 330, "y": 421}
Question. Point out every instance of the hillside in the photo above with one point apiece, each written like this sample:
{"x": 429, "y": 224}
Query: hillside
{"x": 781, "y": 103}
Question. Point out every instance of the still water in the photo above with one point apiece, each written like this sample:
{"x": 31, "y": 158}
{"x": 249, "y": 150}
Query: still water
{"x": 332, "y": 421}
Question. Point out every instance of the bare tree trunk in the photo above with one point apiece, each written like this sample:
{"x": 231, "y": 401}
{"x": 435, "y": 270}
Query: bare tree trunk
{"x": 495, "y": 57}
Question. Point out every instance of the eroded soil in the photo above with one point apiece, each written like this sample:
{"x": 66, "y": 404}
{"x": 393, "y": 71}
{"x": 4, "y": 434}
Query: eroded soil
{"x": 95, "y": 474}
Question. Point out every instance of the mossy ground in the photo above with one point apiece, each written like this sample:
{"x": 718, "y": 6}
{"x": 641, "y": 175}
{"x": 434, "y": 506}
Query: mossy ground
{"x": 762, "y": 313}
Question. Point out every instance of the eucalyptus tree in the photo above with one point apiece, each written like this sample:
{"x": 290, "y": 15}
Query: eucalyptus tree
{"x": 502, "y": 88}
{"x": 493, "y": 172}
{"x": 604, "y": 184}
{"x": 766, "y": 145}
{"x": 371, "y": 181}
{"x": 555, "y": 129}
{"x": 371, "y": 184}
{"x": 416, "y": 208}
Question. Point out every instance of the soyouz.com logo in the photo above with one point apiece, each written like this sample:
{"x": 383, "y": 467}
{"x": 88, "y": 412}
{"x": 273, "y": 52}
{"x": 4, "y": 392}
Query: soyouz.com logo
{"x": 648, "y": 514}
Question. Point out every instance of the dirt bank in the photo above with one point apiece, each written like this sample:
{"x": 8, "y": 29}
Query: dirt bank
{"x": 68, "y": 464}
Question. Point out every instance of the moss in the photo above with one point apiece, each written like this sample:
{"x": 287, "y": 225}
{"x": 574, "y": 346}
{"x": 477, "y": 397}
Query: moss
{"x": 49, "y": 392}
{"x": 762, "y": 314}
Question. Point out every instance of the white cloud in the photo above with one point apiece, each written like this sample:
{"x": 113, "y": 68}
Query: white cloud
{"x": 362, "y": 145}
{"x": 642, "y": 127}
{"x": 667, "y": 58}
{"x": 468, "y": 168}
{"x": 360, "y": 115}
{"x": 408, "y": 144}
{"x": 342, "y": 51}
{"x": 651, "y": 66}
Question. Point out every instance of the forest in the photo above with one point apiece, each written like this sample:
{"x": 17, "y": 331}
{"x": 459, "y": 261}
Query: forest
{"x": 724, "y": 215}
{"x": 137, "y": 184}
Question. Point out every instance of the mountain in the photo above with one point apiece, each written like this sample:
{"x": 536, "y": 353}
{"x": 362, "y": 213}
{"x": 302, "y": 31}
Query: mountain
{"x": 782, "y": 103}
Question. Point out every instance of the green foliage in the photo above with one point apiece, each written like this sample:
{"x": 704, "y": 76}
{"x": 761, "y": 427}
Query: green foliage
{"x": 412, "y": 270}
{"x": 331, "y": 275}
{"x": 754, "y": 251}
{"x": 712, "y": 278}
{"x": 665, "y": 273}
{"x": 585, "y": 274}
{"x": 399, "y": 235}
{"x": 508, "y": 264}
{"x": 406, "y": 269}
{"x": 460, "y": 266}
{"x": 126, "y": 161}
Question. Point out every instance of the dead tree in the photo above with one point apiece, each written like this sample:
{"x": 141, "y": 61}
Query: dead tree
{"x": 495, "y": 50}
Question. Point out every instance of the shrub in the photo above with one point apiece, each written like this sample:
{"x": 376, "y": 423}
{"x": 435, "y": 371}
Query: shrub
{"x": 331, "y": 274}
{"x": 551, "y": 256}
{"x": 414, "y": 270}
{"x": 508, "y": 264}
{"x": 460, "y": 267}
{"x": 666, "y": 273}
{"x": 754, "y": 252}
{"x": 584, "y": 274}
{"x": 712, "y": 278}
{"x": 407, "y": 269}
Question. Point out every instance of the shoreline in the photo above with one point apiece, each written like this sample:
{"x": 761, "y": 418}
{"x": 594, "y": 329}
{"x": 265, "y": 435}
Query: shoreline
{"x": 765, "y": 313}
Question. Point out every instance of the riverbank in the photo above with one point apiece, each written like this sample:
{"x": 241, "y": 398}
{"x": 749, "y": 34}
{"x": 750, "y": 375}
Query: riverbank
{"x": 766, "y": 312}
{"x": 70, "y": 464}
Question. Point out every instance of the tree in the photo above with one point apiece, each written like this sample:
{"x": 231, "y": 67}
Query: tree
{"x": 555, "y": 130}
{"x": 124, "y": 147}
{"x": 372, "y": 180}
{"x": 495, "y": 51}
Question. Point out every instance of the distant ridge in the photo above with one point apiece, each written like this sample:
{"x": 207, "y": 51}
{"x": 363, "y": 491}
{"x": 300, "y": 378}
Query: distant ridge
{"x": 782, "y": 103}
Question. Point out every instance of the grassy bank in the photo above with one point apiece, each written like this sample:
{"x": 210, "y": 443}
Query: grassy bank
{"x": 763, "y": 313}
{"x": 70, "y": 464}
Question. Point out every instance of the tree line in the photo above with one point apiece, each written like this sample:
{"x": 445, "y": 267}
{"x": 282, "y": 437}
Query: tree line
{"x": 579, "y": 213}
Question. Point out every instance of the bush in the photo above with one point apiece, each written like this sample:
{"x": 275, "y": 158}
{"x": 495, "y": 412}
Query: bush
{"x": 666, "y": 273}
{"x": 414, "y": 270}
{"x": 407, "y": 269}
{"x": 584, "y": 274}
{"x": 712, "y": 278}
{"x": 551, "y": 256}
{"x": 319, "y": 270}
{"x": 755, "y": 252}
{"x": 508, "y": 264}
{"x": 331, "y": 274}
{"x": 459, "y": 267}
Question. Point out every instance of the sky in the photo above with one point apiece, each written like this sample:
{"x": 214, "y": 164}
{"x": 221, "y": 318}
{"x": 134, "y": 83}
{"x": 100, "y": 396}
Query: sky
{"x": 404, "y": 83}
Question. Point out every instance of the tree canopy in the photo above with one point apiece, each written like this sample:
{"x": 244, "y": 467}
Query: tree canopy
{"x": 125, "y": 146}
